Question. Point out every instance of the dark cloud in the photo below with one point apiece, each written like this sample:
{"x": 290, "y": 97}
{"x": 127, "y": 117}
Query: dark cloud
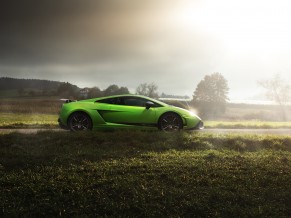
{"x": 102, "y": 42}
{"x": 39, "y": 32}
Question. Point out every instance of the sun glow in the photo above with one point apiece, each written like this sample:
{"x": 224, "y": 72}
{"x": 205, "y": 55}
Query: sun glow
{"x": 249, "y": 26}
{"x": 246, "y": 40}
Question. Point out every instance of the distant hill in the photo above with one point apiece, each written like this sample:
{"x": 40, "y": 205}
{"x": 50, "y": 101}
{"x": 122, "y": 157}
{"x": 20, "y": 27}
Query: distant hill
{"x": 7, "y": 83}
{"x": 12, "y": 87}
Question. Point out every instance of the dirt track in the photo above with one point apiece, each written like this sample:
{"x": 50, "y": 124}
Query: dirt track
{"x": 217, "y": 131}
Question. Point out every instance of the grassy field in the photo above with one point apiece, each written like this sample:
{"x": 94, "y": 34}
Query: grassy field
{"x": 49, "y": 121}
{"x": 24, "y": 120}
{"x": 29, "y": 112}
{"x": 30, "y": 105}
{"x": 250, "y": 124}
{"x": 42, "y": 112}
{"x": 255, "y": 112}
{"x": 144, "y": 174}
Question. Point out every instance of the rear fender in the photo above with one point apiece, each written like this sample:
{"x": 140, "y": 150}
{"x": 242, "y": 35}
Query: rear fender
{"x": 93, "y": 114}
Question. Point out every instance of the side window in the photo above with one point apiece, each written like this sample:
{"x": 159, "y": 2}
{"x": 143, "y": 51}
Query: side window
{"x": 127, "y": 101}
{"x": 135, "y": 101}
{"x": 110, "y": 101}
{"x": 131, "y": 101}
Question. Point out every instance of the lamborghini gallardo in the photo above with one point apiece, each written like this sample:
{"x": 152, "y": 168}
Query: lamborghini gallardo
{"x": 126, "y": 111}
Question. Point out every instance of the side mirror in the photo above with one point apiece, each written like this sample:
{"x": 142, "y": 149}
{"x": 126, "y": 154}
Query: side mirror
{"x": 149, "y": 104}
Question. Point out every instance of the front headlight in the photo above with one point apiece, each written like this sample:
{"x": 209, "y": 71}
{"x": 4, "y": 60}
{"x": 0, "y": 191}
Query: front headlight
{"x": 192, "y": 113}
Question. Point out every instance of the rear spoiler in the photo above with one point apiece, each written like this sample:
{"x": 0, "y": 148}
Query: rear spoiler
{"x": 67, "y": 100}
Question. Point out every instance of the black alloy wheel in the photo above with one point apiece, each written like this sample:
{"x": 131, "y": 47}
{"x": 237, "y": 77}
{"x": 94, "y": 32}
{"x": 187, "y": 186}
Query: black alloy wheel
{"x": 170, "y": 122}
{"x": 79, "y": 121}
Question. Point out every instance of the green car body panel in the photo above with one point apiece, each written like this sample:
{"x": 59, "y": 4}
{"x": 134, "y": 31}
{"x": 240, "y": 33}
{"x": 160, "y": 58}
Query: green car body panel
{"x": 126, "y": 111}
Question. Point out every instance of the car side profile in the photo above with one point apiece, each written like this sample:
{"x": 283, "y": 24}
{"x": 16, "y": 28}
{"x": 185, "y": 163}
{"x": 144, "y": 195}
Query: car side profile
{"x": 126, "y": 111}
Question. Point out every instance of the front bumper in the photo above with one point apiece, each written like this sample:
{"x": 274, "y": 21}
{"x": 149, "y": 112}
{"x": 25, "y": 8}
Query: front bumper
{"x": 199, "y": 126}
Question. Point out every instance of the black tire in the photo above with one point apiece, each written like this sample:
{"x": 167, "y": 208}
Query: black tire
{"x": 79, "y": 121}
{"x": 170, "y": 122}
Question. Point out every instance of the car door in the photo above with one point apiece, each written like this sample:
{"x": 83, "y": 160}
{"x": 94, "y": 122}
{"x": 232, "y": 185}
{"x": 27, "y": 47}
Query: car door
{"x": 131, "y": 110}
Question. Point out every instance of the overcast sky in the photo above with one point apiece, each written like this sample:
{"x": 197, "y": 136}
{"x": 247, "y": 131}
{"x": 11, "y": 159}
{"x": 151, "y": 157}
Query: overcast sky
{"x": 128, "y": 42}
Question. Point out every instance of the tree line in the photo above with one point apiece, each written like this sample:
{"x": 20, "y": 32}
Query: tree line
{"x": 7, "y": 83}
{"x": 209, "y": 98}
{"x": 211, "y": 90}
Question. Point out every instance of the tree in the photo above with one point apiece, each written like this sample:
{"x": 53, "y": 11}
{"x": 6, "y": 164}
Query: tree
{"x": 94, "y": 92}
{"x": 210, "y": 96}
{"x": 277, "y": 90}
{"x": 115, "y": 90}
{"x": 67, "y": 90}
{"x": 149, "y": 90}
{"x": 111, "y": 90}
{"x": 123, "y": 90}
{"x": 142, "y": 89}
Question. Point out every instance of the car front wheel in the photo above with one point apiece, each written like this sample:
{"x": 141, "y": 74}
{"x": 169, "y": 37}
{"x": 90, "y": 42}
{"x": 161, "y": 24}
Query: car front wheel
{"x": 170, "y": 122}
{"x": 79, "y": 121}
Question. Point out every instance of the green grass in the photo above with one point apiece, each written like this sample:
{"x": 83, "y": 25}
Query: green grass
{"x": 20, "y": 120}
{"x": 245, "y": 124}
{"x": 144, "y": 174}
{"x": 31, "y": 120}
{"x": 42, "y": 112}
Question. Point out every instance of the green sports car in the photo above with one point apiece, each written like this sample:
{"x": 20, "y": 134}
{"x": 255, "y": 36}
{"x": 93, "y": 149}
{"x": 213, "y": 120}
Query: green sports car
{"x": 126, "y": 111}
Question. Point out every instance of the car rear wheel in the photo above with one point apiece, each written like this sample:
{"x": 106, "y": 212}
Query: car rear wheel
{"x": 170, "y": 122}
{"x": 79, "y": 121}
